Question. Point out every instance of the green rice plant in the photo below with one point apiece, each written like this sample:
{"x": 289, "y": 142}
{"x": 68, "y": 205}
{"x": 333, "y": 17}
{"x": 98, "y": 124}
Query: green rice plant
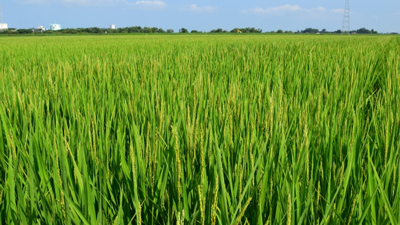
{"x": 201, "y": 129}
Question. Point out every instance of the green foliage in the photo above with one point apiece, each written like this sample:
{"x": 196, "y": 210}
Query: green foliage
{"x": 219, "y": 30}
{"x": 25, "y": 31}
{"x": 246, "y": 30}
{"x": 207, "y": 129}
{"x": 365, "y": 31}
{"x": 183, "y": 30}
{"x": 310, "y": 31}
{"x": 70, "y": 31}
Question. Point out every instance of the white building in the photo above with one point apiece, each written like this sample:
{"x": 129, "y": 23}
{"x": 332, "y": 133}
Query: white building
{"x": 55, "y": 26}
{"x": 112, "y": 26}
{"x": 3, "y": 26}
{"x": 41, "y": 28}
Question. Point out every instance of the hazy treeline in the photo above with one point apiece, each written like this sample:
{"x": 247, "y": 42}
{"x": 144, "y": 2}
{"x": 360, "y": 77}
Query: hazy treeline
{"x": 139, "y": 29}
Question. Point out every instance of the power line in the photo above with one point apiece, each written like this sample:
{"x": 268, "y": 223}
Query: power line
{"x": 346, "y": 18}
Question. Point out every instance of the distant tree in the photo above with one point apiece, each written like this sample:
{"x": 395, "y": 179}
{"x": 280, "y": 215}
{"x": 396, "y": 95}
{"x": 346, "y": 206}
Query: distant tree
{"x": 183, "y": 30}
{"x": 279, "y": 31}
{"x": 69, "y": 31}
{"x": 160, "y": 30}
{"x": 122, "y": 30}
{"x": 252, "y": 30}
{"x": 80, "y": 30}
{"x": 194, "y": 31}
{"x": 4, "y": 31}
{"x": 136, "y": 29}
{"x": 112, "y": 31}
{"x": 288, "y": 32}
{"x": 154, "y": 30}
{"x": 374, "y": 31}
{"x": 219, "y": 30}
{"x": 147, "y": 30}
{"x": 246, "y": 30}
{"x": 338, "y": 32}
{"x": 94, "y": 30}
{"x": 24, "y": 31}
{"x": 170, "y": 31}
{"x": 310, "y": 31}
{"x": 323, "y": 30}
{"x": 364, "y": 31}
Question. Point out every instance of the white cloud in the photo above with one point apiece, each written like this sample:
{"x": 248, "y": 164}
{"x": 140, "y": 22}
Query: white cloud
{"x": 75, "y": 2}
{"x": 150, "y": 4}
{"x": 33, "y": 2}
{"x": 89, "y": 2}
{"x": 196, "y": 8}
{"x": 282, "y": 9}
{"x": 140, "y": 4}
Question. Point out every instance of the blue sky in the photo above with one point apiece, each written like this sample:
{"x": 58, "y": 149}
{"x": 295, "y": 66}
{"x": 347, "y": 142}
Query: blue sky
{"x": 383, "y": 16}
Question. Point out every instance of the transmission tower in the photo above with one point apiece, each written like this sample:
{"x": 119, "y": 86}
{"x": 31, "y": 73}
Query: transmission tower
{"x": 346, "y": 18}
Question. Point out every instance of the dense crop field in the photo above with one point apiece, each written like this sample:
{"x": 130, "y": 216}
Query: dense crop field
{"x": 200, "y": 130}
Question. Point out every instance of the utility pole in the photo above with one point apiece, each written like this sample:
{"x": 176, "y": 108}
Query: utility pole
{"x": 346, "y": 18}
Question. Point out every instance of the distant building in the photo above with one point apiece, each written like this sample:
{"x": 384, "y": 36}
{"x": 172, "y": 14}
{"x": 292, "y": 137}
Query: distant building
{"x": 112, "y": 26}
{"x": 3, "y": 26}
{"x": 55, "y": 26}
{"x": 41, "y": 28}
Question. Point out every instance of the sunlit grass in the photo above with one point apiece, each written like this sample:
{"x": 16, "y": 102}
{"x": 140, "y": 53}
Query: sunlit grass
{"x": 200, "y": 130}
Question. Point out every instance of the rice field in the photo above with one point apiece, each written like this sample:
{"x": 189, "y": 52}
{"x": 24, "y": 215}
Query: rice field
{"x": 230, "y": 129}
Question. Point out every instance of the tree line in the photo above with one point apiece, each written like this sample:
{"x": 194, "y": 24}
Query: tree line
{"x": 139, "y": 29}
{"x": 134, "y": 29}
{"x": 324, "y": 31}
{"x": 94, "y": 30}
